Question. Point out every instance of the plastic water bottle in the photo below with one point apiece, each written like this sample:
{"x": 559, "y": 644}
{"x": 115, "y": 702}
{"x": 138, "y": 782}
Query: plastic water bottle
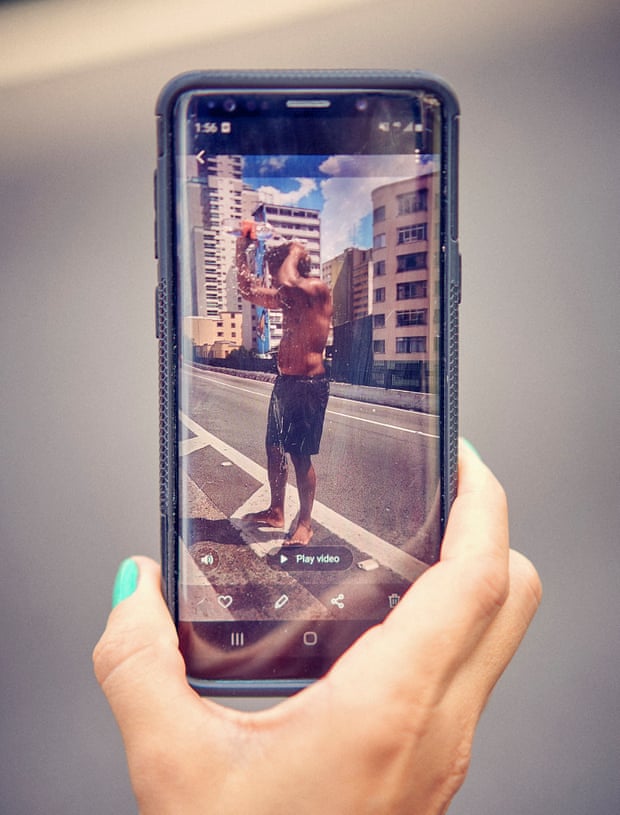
{"x": 264, "y": 230}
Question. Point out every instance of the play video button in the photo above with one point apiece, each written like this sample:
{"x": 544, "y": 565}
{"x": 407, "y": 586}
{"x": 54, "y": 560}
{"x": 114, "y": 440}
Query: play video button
{"x": 311, "y": 558}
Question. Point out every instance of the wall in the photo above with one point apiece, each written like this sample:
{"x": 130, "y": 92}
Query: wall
{"x": 539, "y": 85}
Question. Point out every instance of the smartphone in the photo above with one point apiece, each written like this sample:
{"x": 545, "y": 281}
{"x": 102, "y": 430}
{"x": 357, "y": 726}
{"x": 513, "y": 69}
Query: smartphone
{"x": 307, "y": 316}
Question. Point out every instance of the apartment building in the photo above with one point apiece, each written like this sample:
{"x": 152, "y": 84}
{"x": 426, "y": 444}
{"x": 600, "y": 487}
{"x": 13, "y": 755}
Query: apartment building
{"x": 405, "y": 316}
{"x": 293, "y": 224}
{"x": 212, "y": 337}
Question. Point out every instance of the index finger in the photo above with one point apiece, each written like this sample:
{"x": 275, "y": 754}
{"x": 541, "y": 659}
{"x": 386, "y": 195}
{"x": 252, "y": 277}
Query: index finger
{"x": 478, "y": 521}
{"x": 445, "y": 614}
{"x": 471, "y": 581}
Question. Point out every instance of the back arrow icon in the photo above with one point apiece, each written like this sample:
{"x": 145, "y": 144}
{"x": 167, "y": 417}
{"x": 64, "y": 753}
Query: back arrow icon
{"x": 200, "y": 157}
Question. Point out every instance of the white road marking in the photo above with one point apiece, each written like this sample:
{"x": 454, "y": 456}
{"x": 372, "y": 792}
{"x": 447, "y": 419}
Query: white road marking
{"x": 251, "y": 391}
{"x": 383, "y": 424}
{"x": 263, "y": 539}
{"x": 205, "y": 439}
{"x": 385, "y": 553}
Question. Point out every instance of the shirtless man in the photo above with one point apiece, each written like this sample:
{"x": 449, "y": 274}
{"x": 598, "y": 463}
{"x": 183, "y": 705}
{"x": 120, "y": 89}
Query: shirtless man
{"x": 301, "y": 390}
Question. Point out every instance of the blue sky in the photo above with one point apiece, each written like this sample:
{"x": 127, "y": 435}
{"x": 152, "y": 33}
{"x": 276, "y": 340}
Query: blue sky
{"x": 339, "y": 186}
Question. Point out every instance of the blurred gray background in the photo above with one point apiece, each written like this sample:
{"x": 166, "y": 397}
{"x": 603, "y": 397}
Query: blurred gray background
{"x": 539, "y": 85}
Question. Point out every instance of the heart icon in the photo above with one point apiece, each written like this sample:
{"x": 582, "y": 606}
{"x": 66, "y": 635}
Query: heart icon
{"x": 224, "y": 600}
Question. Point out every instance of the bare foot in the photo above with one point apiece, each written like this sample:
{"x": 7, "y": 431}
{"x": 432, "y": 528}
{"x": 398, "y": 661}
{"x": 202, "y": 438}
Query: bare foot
{"x": 300, "y": 536}
{"x": 268, "y": 517}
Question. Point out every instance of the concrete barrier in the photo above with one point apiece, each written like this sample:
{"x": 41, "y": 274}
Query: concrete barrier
{"x": 407, "y": 400}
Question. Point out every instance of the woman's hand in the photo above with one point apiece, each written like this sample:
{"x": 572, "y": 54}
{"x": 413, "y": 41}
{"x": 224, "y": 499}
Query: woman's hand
{"x": 388, "y": 730}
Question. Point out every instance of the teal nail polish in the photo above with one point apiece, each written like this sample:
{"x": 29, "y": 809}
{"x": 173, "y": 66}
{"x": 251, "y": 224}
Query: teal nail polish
{"x": 126, "y": 581}
{"x": 472, "y": 448}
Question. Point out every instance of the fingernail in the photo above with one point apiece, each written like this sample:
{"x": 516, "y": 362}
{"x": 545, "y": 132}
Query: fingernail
{"x": 472, "y": 448}
{"x": 126, "y": 581}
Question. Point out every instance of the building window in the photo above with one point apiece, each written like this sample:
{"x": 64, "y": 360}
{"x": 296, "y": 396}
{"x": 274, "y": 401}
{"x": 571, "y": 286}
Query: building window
{"x": 409, "y": 202}
{"x": 378, "y": 321}
{"x": 411, "y": 291}
{"x": 411, "y": 345}
{"x": 379, "y": 295}
{"x": 416, "y": 316}
{"x": 414, "y": 232}
{"x": 411, "y": 262}
{"x": 378, "y": 214}
{"x": 378, "y": 346}
{"x": 379, "y": 268}
{"x": 379, "y": 241}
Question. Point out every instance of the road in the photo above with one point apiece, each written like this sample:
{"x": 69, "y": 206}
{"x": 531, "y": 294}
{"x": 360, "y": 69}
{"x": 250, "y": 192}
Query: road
{"x": 370, "y": 507}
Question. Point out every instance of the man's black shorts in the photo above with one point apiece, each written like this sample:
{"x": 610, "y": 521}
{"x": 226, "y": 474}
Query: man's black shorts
{"x": 296, "y": 413}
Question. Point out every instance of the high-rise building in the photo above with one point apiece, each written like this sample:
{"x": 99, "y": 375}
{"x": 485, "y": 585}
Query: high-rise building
{"x": 348, "y": 275}
{"x": 215, "y": 192}
{"x": 361, "y": 265}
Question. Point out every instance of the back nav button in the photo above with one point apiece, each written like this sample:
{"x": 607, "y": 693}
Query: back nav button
{"x": 310, "y": 558}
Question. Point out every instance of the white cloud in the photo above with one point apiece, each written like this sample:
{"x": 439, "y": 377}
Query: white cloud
{"x": 290, "y": 198}
{"x": 273, "y": 163}
{"x": 348, "y": 195}
{"x": 384, "y": 166}
{"x": 347, "y": 201}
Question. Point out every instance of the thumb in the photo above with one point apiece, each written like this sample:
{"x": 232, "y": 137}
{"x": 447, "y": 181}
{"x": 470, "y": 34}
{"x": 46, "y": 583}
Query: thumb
{"x": 137, "y": 661}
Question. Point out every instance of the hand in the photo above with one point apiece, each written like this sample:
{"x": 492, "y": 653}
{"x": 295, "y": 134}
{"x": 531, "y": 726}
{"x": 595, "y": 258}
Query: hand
{"x": 248, "y": 234}
{"x": 248, "y": 230}
{"x": 388, "y": 730}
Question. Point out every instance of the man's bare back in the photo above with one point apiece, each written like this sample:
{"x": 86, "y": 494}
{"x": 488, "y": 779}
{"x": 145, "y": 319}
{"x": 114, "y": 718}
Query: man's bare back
{"x": 306, "y": 307}
{"x": 306, "y": 315}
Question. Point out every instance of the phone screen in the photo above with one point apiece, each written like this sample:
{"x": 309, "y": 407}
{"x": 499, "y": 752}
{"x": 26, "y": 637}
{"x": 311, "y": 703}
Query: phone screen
{"x": 309, "y": 370}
